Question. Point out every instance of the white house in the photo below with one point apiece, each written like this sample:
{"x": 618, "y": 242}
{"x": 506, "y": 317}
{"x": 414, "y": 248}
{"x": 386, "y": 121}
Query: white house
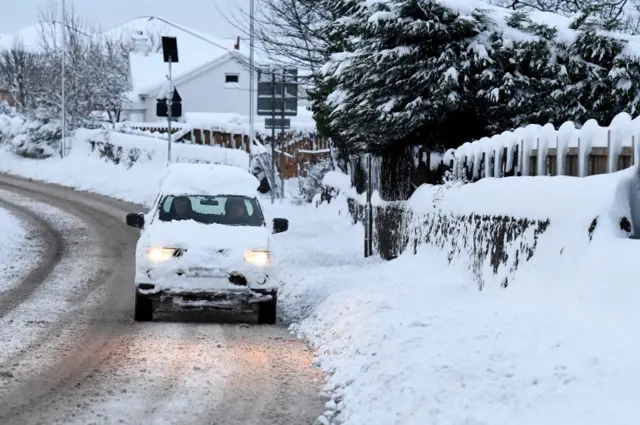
{"x": 212, "y": 75}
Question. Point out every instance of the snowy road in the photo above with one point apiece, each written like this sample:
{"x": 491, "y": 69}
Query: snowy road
{"x": 71, "y": 354}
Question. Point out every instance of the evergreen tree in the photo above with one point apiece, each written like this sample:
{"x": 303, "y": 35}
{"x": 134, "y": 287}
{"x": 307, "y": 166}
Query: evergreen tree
{"x": 401, "y": 67}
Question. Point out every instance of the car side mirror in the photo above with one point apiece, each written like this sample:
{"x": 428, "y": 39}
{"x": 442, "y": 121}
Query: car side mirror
{"x": 135, "y": 220}
{"x": 280, "y": 225}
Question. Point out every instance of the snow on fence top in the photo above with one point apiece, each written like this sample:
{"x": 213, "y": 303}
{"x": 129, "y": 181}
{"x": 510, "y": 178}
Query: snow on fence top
{"x": 540, "y": 150}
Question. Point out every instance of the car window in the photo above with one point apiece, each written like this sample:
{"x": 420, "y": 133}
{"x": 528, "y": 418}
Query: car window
{"x": 221, "y": 209}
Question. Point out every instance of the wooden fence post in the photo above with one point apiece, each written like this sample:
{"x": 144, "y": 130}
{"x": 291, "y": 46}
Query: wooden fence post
{"x": 610, "y": 168}
{"x": 521, "y": 157}
{"x": 538, "y": 157}
{"x": 580, "y": 159}
{"x": 558, "y": 159}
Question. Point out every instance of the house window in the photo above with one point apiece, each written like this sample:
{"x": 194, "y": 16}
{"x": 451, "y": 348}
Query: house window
{"x": 231, "y": 78}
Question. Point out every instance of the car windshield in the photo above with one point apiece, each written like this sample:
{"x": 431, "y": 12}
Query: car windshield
{"x": 231, "y": 210}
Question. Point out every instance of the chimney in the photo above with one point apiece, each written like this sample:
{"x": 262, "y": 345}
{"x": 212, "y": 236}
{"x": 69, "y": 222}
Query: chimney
{"x": 237, "y": 45}
{"x": 140, "y": 43}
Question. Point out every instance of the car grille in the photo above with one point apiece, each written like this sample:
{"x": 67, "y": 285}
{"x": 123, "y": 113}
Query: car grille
{"x": 203, "y": 272}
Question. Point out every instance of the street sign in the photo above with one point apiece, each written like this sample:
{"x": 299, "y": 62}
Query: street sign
{"x": 278, "y": 87}
{"x": 278, "y": 123}
{"x": 162, "y": 109}
{"x": 170, "y": 49}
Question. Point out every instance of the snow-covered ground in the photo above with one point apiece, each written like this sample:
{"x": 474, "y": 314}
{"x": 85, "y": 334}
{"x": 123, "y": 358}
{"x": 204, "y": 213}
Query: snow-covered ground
{"x": 14, "y": 258}
{"x": 56, "y": 296}
{"x": 412, "y": 341}
{"x": 85, "y": 169}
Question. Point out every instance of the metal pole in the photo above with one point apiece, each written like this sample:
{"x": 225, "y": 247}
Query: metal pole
{"x": 62, "y": 94}
{"x": 282, "y": 172}
{"x": 368, "y": 232}
{"x": 169, "y": 103}
{"x": 273, "y": 134}
{"x": 251, "y": 79}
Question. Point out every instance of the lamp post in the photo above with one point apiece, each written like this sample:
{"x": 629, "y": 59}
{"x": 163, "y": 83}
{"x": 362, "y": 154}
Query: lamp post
{"x": 251, "y": 76}
{"x": 62, "y": 78}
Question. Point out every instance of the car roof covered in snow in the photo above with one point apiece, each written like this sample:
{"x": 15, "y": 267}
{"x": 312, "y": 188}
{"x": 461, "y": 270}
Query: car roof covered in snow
{"x": 208, "y": 179}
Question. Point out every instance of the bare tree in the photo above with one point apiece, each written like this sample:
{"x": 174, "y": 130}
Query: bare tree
{"x": 288, "y": 31}
{"x": 17, "y": 74}
{"x": 97, "y": 70}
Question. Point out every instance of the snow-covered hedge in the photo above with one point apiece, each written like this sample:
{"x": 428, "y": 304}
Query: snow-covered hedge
{"x": 495, "y": 226}
{"x": 483, "y": 239}
{"x": 127, "y": 150}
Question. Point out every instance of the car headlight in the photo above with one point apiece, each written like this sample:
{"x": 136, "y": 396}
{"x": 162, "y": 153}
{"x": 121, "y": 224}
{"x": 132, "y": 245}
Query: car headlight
{"x": 160, "y": 255}
{"x": 257, "y": 257}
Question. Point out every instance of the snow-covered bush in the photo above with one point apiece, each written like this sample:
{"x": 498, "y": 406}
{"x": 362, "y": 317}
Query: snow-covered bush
{"x": 30, "y": 138}
{"x": 311, "y": 184}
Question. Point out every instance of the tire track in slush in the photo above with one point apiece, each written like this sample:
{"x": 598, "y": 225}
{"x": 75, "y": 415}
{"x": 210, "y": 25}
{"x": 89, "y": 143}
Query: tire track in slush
{"x": 94, "y": 365}
{"x": 54, "y": 249}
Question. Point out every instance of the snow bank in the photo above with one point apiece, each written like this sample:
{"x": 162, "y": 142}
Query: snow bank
{"x": 493, "y": 226}
{"x": 123, "y": 166}
{"x": 623, "y": 133}
{"x": 413, "y": 341}
{"x": 130, "y": 149}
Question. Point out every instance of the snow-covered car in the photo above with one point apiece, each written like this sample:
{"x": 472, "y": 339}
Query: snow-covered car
{"x": 205, "y": 244}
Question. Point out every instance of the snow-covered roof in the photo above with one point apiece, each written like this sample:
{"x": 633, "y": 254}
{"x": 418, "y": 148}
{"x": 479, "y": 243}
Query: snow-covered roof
{"x": 208, "y": 179}
{"x": 29, "y": 38}
{"x": 195, "y": 50}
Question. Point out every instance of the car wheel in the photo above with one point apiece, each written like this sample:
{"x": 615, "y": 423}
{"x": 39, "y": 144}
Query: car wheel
{"x": 267, "y": 312}
{"x": 143, "y": 309}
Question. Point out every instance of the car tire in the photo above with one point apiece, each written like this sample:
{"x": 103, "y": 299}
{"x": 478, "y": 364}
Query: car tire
{"x": 143, "y": 310}
{"x": 267, "y": 312}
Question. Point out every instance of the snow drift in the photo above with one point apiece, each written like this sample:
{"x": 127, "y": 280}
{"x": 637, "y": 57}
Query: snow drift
{"x": 123, "y": 166}
{"x": 493, "y": 226}
{"x": 412, "y": 340}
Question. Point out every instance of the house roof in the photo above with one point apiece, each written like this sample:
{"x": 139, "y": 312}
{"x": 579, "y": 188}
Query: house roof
{"x": 30, "y": 37}
{"x": 195, "y": 50}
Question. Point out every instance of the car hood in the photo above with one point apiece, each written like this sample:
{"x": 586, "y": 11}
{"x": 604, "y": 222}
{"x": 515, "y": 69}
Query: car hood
{"x": 192, "y": 236}
{"x": 208, "y": 250}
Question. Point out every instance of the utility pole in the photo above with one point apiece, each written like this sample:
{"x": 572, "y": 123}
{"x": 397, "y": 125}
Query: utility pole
{"x": 282, "y": 147}
{"x": 169, "y": 103}
{"x": 273, "y": 134}
{"x": 62, "y": 77}
{"x": 251, "y": 79}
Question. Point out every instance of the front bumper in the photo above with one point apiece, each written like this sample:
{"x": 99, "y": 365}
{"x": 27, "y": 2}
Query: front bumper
{"x": 227, "y": 299}
{"x": 214, "y": 288}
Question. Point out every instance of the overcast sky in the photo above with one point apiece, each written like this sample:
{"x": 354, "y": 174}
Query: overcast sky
{"x": 198, "y": 14}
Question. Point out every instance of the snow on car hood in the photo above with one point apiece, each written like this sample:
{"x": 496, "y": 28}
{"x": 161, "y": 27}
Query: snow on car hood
{"x": 209, "y": 251}
{"x": 194, "y": 236}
